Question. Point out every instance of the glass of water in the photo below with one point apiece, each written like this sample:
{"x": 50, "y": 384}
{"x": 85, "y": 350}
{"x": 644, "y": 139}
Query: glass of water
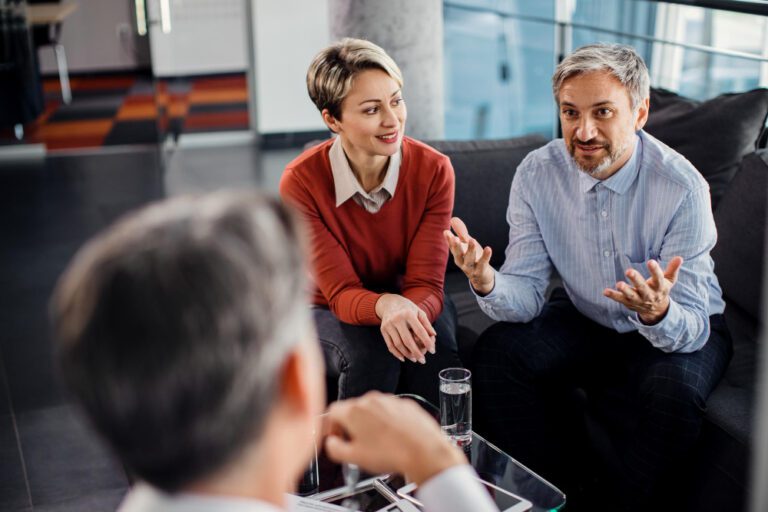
{"x": 456, "y": 405}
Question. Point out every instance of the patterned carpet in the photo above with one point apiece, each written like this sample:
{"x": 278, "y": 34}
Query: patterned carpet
{"x": 130, "y": 109}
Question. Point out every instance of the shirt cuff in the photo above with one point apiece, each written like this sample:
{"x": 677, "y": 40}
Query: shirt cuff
{"x": 661, "y": 335}
{"x": 493, "y": 294}
{"x": 455, "y": 489}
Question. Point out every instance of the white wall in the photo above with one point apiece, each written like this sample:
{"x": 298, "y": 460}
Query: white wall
{"x": 288, "y": 34}
{"x": 98, "y": 36}
{"x": 206, "y": 37}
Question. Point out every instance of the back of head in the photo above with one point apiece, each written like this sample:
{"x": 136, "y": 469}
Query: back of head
{"x": 173, "y": 326}
{"x": 622, "y": 61}
{"x": 333, "y": 69}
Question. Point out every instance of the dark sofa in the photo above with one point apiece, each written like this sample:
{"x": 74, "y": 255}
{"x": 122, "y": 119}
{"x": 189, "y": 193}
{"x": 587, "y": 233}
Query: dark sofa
{"x": 720, "y": 137}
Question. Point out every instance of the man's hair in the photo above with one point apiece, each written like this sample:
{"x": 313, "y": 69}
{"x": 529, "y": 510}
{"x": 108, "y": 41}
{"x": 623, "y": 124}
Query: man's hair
{"x": 333, "y": 70}
{"x": 173, "y": 327}
{"x": 621, "y": 61}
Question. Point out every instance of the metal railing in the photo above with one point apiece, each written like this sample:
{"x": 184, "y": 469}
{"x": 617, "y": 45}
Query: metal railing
{"x": 564, "y": 26}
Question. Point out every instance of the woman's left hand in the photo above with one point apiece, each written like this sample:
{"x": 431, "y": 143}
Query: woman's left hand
{"x": 405, "y": 327}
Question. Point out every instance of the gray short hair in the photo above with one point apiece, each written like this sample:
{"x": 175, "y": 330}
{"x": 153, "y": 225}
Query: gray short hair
{"x": 173, "y": 326}
{"x": 332, "y": 71}
{"x": 621, "y": 61}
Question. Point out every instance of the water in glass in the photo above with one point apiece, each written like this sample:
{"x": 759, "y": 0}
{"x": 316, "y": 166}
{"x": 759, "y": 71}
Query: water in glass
{"x": 456, "y": 411}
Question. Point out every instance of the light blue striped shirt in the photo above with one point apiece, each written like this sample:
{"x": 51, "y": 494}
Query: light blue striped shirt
{"x": 656, "y": 206}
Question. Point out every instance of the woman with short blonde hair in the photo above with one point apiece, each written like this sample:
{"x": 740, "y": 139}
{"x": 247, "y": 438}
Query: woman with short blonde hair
{"x": 376, "y": 203}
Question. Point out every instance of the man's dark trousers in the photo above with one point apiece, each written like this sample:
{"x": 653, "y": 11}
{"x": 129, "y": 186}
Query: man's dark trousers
{"x": 525, "y": 376}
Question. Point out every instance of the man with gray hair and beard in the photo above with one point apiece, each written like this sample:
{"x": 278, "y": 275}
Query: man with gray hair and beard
{"x": 185, "y": 334}
{"x": 627, "y": 224}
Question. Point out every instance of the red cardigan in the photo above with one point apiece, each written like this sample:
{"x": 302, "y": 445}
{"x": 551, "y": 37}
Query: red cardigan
{"x": 357, "y": 255}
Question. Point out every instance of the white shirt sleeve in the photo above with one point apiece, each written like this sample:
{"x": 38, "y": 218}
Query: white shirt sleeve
{"x": 455, "y": 490}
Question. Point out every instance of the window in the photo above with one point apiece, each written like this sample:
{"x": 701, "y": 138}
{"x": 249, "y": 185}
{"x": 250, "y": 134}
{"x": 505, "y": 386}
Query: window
{"x": 702, "y": 74}
{"x": 498, "y": 69}
{"x": 500, "y": 55}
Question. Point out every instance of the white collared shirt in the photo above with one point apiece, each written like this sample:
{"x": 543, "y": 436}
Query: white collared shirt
{"x": 453, "y": 490}
{"x": 347, "y": 186}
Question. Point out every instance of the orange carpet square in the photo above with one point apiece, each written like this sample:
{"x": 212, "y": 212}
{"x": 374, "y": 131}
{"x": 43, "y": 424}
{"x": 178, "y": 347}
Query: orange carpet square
{"x": 217, "y": 120}
{"x": 231, "y": 82}
{"x": 225, "y": 95}
{"x": 72, "y": 129}
{"x": 136, "y": 111}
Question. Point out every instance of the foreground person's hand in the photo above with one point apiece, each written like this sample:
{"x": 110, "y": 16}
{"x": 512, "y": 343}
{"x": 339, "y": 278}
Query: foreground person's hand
{"x": 384, "y": 434}
{"x": 470, "y": 257}
{"x": 405, "y": 327}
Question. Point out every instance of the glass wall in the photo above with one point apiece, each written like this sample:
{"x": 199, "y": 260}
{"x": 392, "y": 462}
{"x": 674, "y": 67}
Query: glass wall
{"x": 614, "y": 21}
{"x": 500, "y": 55}
{"x": 702, "y": 75}
{"x": 498, "y": 68}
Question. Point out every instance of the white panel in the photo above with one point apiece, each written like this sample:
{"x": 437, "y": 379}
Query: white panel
{"x": 205, "y": 36}
{"x": 288, "y": 34}
{"x": 98, "y": 36}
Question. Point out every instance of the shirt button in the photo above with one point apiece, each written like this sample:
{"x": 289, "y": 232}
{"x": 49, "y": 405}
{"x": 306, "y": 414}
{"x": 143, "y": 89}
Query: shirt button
{"x": 604, "y": 213}
{"x": 606, "y": 253}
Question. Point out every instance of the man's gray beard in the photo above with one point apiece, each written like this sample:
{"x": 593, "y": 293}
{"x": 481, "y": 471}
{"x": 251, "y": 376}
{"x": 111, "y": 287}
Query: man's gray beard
{"x": 600, "y": 168}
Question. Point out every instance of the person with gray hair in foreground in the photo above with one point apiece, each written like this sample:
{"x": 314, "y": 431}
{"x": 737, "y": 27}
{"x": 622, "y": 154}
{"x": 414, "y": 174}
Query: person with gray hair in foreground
{"x": 185, "y": 334}
{"x": 627, "y": 224}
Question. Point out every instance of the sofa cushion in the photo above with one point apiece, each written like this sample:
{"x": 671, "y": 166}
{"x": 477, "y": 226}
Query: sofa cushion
{"x": 716, "y": 476}
{"x": 730, "y": 409}
{"x": 714, "y": 135}
{"x": 471, "y": 319}
{"x": 742, "y": 370}
{"x": 730, "y": 406}
{"x": 740, "y": 221}
{"x": 484, "y": 171}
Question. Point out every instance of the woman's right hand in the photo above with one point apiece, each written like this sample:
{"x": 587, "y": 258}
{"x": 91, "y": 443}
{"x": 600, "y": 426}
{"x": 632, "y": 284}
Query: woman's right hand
{"x": 405, "y": 327}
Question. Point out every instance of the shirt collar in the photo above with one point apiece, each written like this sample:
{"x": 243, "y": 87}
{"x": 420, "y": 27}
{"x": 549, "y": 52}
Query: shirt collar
{"x": 621, "y": 179}
{"x": 346, "y": 183}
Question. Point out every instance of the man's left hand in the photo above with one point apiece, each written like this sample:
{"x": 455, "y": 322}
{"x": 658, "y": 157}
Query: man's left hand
{"x": 648, "y": 297}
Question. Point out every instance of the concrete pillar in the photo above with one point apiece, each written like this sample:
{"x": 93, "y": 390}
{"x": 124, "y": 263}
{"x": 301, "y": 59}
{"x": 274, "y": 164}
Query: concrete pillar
{"x": 411, "y": 32}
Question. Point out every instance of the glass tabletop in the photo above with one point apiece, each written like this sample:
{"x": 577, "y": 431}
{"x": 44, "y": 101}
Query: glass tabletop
{"x": 492, "y": 465}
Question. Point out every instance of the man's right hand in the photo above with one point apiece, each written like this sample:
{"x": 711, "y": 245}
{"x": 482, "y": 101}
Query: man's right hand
{"x": 470, "y": 257}
{"x": 384, "y": 434}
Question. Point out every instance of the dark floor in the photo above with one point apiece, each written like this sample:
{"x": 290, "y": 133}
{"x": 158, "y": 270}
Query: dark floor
{"x": 49, "y": 458}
